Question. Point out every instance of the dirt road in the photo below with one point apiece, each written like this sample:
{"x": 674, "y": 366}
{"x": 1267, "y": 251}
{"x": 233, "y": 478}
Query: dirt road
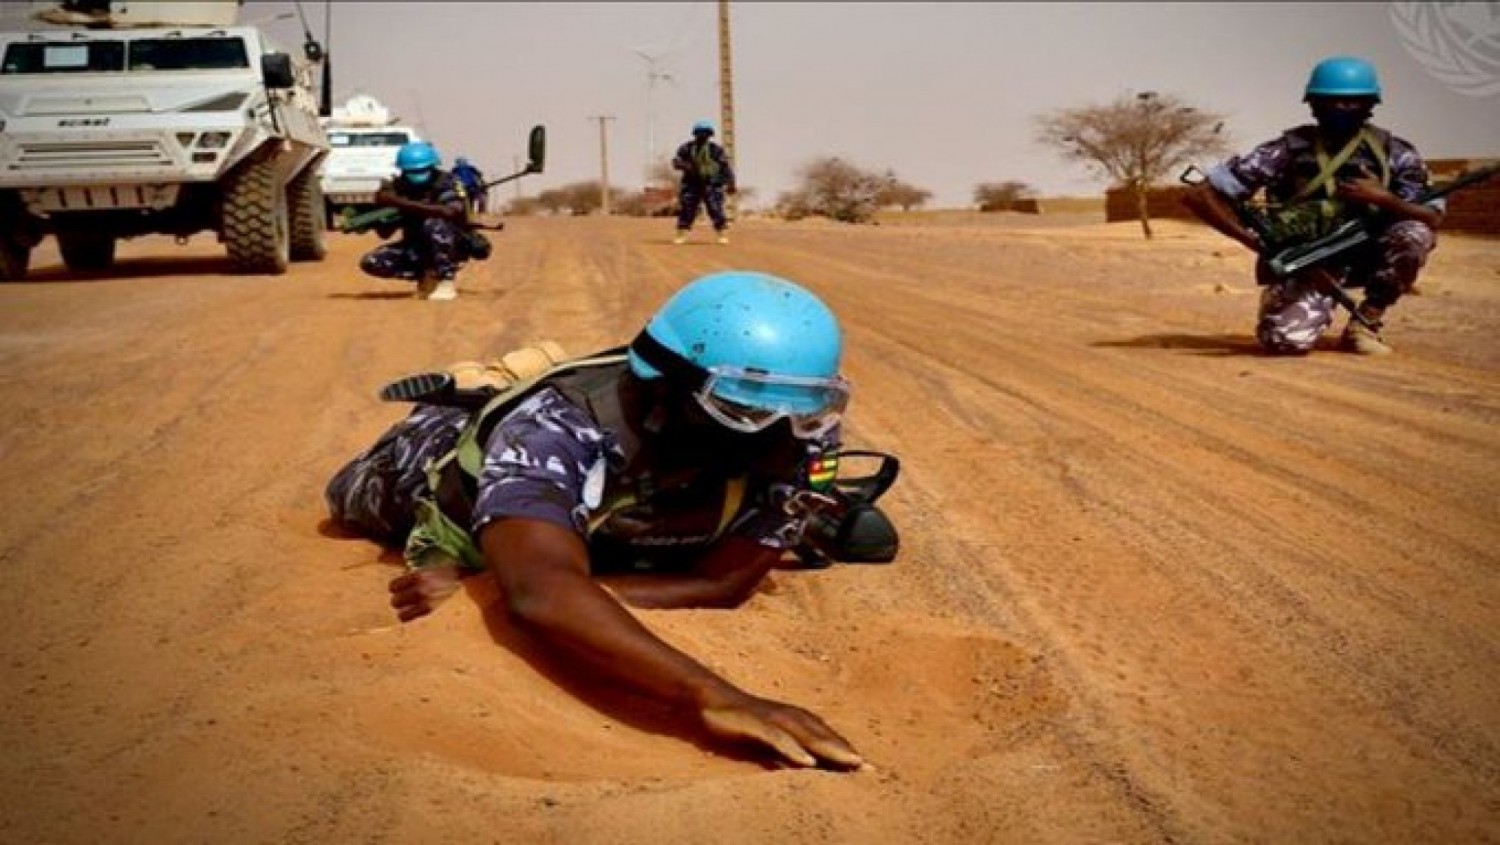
{"x": 1154, "y": 587}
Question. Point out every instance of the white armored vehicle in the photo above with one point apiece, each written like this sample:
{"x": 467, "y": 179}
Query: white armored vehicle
{"x": 109, "y": 133}
{"x": 363, "y": 138}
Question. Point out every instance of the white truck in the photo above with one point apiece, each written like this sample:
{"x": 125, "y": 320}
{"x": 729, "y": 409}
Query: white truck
{"x": 109, "y": 133}
{"x": 363, "y": 138}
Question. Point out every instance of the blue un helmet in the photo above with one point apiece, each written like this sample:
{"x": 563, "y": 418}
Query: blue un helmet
{"x": 752, "y": 349}
{"x": 416, "y": 161}
{"x": 1342, "y": 76}
{"x": 703, "y": 126}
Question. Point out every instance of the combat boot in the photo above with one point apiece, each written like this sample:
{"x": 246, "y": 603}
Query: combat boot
{"x": 1362, "y": 340}
{"x": 439, "y": 285}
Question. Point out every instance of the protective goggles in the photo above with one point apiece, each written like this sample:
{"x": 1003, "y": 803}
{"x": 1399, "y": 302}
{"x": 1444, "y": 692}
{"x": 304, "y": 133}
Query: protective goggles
{"x": 748, "y": 401}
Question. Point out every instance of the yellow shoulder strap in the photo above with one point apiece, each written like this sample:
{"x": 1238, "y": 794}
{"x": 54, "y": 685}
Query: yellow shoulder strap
{"x": 1328, "y": 167}
{"x": 1377, "y": 149}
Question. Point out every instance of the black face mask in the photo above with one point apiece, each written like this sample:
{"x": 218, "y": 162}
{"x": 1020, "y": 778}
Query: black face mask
{"x": 1341, "y": 118}
{"x": 1342, "y": 123}
{"x": 698, "y": 438}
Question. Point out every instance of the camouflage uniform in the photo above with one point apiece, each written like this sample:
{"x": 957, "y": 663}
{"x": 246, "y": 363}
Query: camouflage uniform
{"x": 549, "y": 460}
{"x": 426, "y": 242}
{"x": 1293, "y": 314}
{"x": 706, "y": 172}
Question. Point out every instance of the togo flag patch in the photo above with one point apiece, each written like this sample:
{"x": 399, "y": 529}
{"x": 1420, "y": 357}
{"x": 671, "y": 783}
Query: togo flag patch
{"x": 821, "y": 471}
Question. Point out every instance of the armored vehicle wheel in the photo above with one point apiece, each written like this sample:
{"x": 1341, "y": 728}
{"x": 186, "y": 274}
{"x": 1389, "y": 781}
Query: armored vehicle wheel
{"x": 14, "y": 259}
{"x": 256, "y": 220}
{"x": 305, "y": 197}
{"x": 84, "y": 250}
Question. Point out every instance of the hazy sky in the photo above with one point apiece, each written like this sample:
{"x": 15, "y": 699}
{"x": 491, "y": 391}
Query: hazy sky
{"x": 944, "y": 94}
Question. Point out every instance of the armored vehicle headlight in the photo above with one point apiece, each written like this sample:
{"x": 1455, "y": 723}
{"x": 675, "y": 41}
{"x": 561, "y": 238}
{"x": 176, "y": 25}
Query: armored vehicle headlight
{"x": 185, "y": 139}
{"x": 213, "y": 140}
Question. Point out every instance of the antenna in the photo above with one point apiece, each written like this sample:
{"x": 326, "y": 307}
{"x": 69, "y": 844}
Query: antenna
{"x": 316, "y": 53}
{"x": 421, "y": 119}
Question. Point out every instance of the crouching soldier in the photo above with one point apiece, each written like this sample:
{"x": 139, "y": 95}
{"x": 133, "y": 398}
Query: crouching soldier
{"x": 434, "y": 216}
{"x": 1316, "y": 177}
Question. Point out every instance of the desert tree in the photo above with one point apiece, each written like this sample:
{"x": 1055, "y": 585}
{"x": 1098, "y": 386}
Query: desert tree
{"x": 902, "y": 194}
{"x": 836, "y": 189}
{"x": 1000, "y": 196}
{"x": 1136, "y": 141}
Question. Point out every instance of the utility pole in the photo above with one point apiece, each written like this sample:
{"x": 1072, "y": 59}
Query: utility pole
{"x": 726, "y": 94}
{"x": 603, "y": 162}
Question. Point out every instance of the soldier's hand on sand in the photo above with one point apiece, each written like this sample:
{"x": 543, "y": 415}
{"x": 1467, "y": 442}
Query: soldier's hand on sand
{"x": 416, "y": 593}
{"x": 797, "y": 735}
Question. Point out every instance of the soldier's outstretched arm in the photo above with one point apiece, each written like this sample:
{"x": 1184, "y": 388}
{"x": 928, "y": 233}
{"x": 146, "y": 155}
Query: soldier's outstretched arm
{"x": 544, "y": 579}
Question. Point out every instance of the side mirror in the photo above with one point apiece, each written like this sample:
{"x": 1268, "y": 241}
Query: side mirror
{"x": 313, "y": 51}
{"x": 536, "y": 150}
{"x": 276, "y": 71}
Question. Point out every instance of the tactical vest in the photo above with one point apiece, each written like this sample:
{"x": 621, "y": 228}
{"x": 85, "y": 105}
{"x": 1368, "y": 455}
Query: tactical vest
{"x": 705, "y": 162}
{"x": 1307, "y": 205}
{"x": 649, "y": 481}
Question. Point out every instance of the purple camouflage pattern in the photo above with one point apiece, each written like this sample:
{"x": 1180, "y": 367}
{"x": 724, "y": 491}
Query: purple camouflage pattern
{"x": 426, "y": 243}
{"x": 1293, "y": 314}
{"x": 537, "y": 465}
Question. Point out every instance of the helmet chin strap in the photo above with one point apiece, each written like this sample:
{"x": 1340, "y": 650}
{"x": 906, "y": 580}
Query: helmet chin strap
{"x": 677, "y": 369}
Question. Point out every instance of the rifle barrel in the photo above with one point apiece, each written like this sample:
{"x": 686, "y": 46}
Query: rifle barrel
{"x": 1462, "y": 180}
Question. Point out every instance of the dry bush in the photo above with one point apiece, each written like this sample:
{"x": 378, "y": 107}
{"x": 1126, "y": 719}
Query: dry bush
{"x": 1001, "y": 196}
{"x": 577, "y": 198}
{"x": 836, "y": 189}
{"x": 902, "y": 194}
{"x": 523, "y": 207}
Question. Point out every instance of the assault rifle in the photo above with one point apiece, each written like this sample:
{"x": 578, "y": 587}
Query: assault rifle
{"x": 536, "y": 154}
{"x": 1354, "y": 233}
